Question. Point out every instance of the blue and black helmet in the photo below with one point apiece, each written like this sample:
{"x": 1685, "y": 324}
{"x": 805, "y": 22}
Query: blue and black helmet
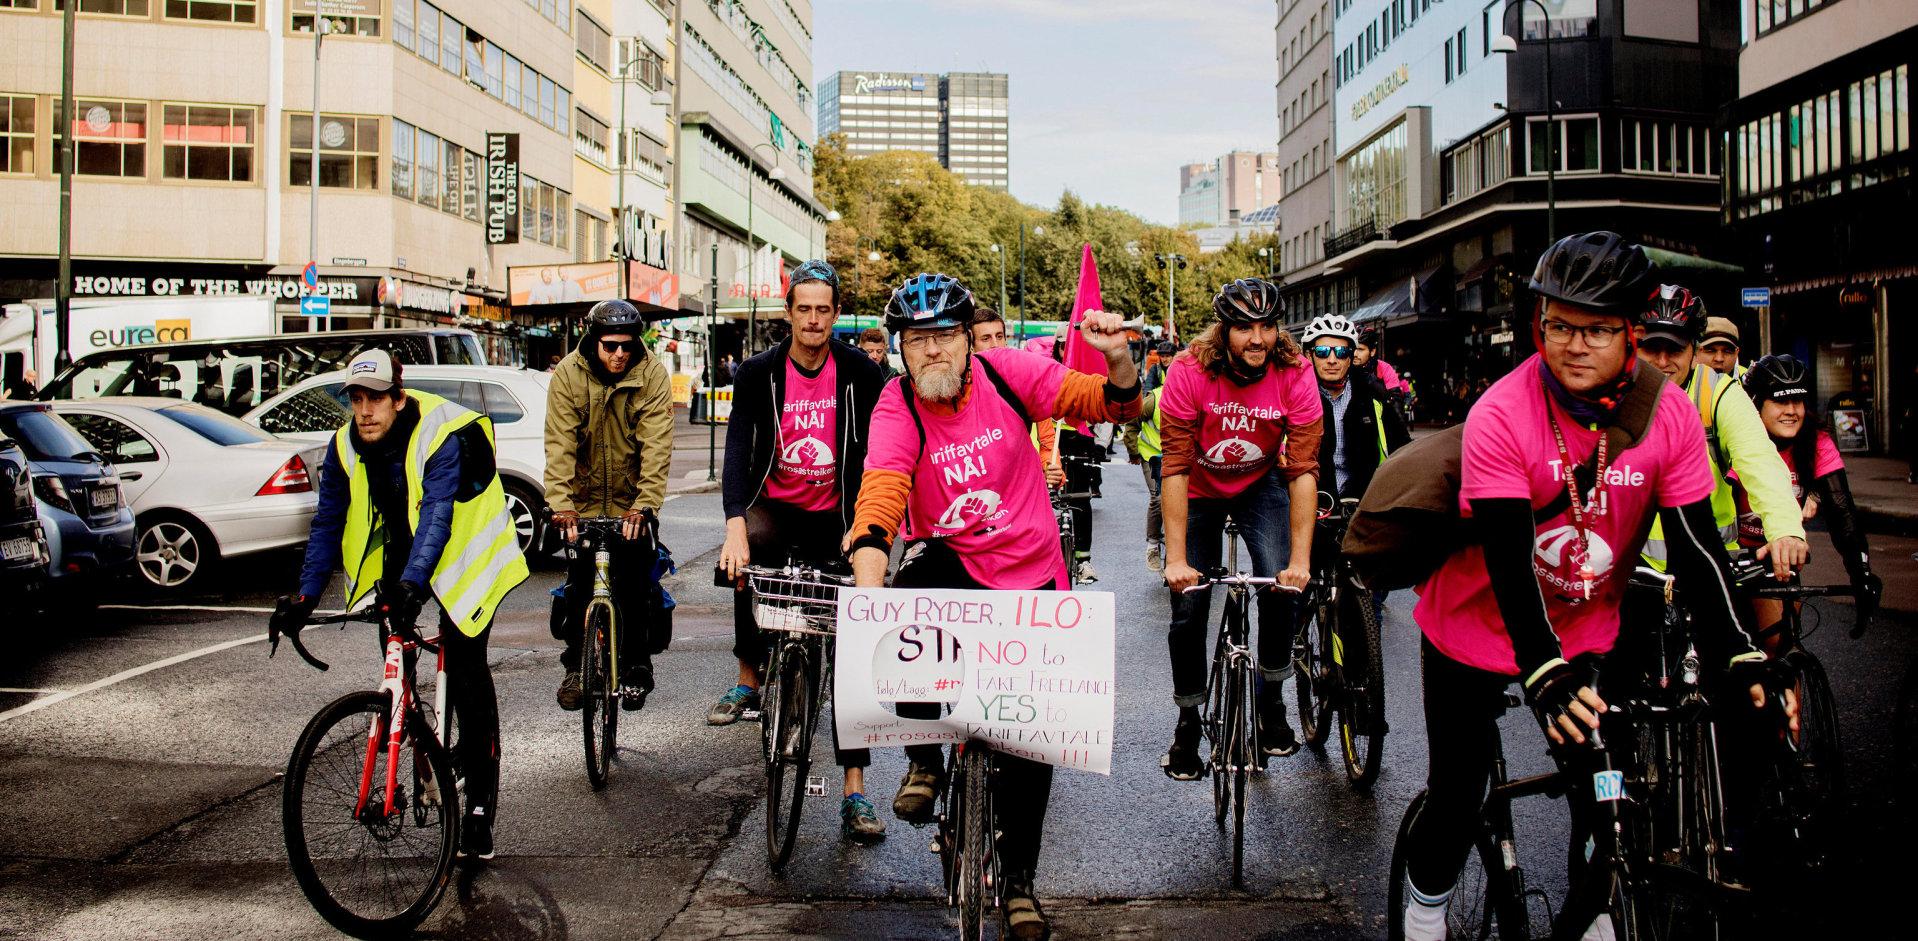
{"x": 929, "y": 300}
{"x": 815, "y": 270}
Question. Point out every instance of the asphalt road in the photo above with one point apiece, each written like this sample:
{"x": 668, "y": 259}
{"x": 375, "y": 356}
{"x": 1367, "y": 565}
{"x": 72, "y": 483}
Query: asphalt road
{"x": 140, "y": 752}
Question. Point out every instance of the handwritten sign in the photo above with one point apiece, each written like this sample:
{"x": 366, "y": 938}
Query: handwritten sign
{"x": 1027, "y": 673}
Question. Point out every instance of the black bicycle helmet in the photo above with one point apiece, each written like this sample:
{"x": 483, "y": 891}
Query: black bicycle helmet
{"x": 1248, "y": 300}
{"x": 1674, "y": 312}
{"x": 1599, "y": 271}
{"x": 1369, "y": 336}
{"x": 929, "y": 300}
{"x": 814, "y": 270}
{"x": 614, "y": 316}
{"x": 1778, "y": 376}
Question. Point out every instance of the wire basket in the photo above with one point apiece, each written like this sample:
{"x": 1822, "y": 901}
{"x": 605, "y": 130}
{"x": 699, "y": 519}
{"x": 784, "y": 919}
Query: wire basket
{"x": 805, "y": 603}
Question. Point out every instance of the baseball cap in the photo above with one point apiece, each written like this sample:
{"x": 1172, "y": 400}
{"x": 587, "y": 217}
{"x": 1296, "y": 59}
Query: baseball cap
{"x": 1719, "y": 330}
{"x": 1673, "y": 333}
{"x": 375, "y": 370}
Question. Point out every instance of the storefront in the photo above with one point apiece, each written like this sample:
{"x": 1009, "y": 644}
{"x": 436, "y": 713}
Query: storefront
{"x": 547, "y": 303}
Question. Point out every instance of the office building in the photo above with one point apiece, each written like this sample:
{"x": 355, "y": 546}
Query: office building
{"x": 959, "y": 117}
{"x": 1821, "y": 195}
{"x": 1304, "y": 34}
{"x": 1234, "y": 185}
{"x": 193, "y": 165}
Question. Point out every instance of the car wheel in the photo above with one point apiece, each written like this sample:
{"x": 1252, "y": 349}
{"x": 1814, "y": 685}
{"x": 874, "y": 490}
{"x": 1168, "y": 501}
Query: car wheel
{"x": 173, "y": 553}
{"x": 524, "y": 509}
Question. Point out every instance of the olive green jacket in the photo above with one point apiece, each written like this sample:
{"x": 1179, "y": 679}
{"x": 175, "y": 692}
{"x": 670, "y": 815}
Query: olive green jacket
{"x": 608, "y": 446}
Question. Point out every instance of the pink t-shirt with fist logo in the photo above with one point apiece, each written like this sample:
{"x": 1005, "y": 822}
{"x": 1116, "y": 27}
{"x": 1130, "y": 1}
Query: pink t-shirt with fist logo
{"x": 1509, "y": 451}
{"x": 805, "y": 471}
{"x": 1240, "y": 428}
{"x": 977, "y": 482}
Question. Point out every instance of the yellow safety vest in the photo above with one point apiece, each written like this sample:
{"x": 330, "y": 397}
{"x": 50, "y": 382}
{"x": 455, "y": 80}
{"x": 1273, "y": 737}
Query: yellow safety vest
{"x": 482, "y": 561}
{"x": 1706, "y": 387}
{"x": 1149, "y": 446}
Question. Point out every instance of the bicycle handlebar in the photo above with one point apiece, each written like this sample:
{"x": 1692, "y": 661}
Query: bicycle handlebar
{"x": 807, "y": 572}
{"x": 1748, "y": 576}
{"x": 1240, "y": 580}
{"x": 366, "y": 615}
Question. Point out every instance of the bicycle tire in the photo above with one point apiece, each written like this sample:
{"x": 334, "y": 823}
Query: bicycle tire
{"x": 1483, "y": 906}
{"x": 598, "y": 714}
{"x": 976, "y": 853}
{"x": 1821, "y": 753}
{"x": 1362, "y": 703}
{"x": 1247, "y": 745}
{"x": 329, "y": 757}
{"x": 791, "y": 759}
{"x": 1311, "y": 676}
{"x": 1214, "y": 725}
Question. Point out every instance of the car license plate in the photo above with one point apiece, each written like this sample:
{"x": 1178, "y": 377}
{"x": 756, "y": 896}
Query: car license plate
{"x": 16, "y": 549}
{"x": 105, "y": 498}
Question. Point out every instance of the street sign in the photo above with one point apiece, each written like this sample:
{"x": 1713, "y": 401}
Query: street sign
{"x": 350, "y": 262}
{"x": 316, "y": 305}
{"x": 1755, "y": 297}
{"x": 311, "y": 275}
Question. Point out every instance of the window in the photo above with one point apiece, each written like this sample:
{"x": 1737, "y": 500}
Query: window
{"x": 1492, "y": 15}
{"x": 512, "y": 69}
{"x": 301, "y": 12}
{"x": 529, "y": 90}
{"x": 1458, "y": 51}
{"x": 16, "y": 133}
{"x": 563, "y": 112}
{"x": 450, "y": 163}
{"x": 495, "y": 71}
{"x": 349, "y": 151}
{"x": 1375, "y": 181}
{"x": 545, "y": 213}
{"x": 472, "y": 173}
{"x": 591, "y": 136}
{"x": 548, "y": 95}
{"x": 212, "y": 11}
{"x": 207, "y": 142}
{"x": 1646, "y": 146}
{"x": 1569, "y": 18}
{"x": 476, "y": 60}
{"x": 651, "y": 153}
{"x": 426, "y": 164}
{"x": 403, "y": 23}
{"x": 1775, "y": 13}
{"x": 428, "y": 43}
{"x": 1449, "y": 58}
{"x": 1479, "y": 164}
{"x": 110, "y": 137}
{"x": 217, "y": 427}
{"x": 593, "y": 42}
{"x": 319, "y": 408}
{"x": 402, "y": 159}
{"x": 112, "y": 437}
{"x": 452, "y": 36}
{"x": 1577, "y": 145}
{"x": 106, "y": 7}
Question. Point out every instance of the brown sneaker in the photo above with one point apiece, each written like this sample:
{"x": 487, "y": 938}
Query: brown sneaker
{"x": 918, "y": 792}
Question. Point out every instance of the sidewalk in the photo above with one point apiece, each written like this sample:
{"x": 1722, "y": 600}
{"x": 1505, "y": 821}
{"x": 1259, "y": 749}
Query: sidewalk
{"x": 1886, "y": 501}
{"x": 690, "y": 460}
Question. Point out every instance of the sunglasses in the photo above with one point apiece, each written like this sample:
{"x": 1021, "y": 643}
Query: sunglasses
{"x": 619, "y": 346}
{"x": 1328, "y": 352}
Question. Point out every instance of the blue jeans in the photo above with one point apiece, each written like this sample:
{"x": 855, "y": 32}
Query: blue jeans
{"x": 1264, "y": 514}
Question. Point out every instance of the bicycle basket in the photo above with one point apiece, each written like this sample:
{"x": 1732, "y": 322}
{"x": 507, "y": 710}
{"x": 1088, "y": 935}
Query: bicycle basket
{"x": 794, "y": 604}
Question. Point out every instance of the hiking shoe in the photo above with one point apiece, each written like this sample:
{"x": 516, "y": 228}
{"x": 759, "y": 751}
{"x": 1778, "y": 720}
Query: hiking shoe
{"x": 737, "y": 700}
{"x": 1154, "y": 558}
{"x": 1025, "y": 920}
{"x": 859, "y": 822}
{"x": 1275, "y": 734}
{"x": 918, "y": 791}
{"x": 569, "y": 691}
{"x": 632, "y": 692}
{"x": 1086, "y": 573}
{"x": 1181, "y": 762}
{"x": 476, "y": 835}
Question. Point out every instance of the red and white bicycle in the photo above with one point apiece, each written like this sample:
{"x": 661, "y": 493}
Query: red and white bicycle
{"x": 371, "y": 806}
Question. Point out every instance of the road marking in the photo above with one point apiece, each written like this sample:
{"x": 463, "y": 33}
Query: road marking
{"x": 24, "y": 689}
{"x": 192, "y": 607}
{"x": 125, "y": 675}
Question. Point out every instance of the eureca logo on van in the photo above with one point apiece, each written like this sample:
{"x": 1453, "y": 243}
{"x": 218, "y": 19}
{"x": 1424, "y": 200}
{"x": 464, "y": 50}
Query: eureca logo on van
{"x": 160, "y": 331}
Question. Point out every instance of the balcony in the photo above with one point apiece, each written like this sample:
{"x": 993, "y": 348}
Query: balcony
{"x": 1353, "y": 237}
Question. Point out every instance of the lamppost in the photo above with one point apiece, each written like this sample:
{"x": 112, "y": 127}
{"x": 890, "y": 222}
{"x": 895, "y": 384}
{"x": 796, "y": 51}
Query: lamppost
{"x": 996, "y": 250}
{"x": 752, "y": 250}
{"x": 819, "y": 250}
{"x": 1270, "y": 263}
{"x": 871, "y": 255}
{"x": 1170, "y": 262}
{"x": 662, "y": 98}
{"x": 1507, "y": 44}
{"x": 1036, "y": 230}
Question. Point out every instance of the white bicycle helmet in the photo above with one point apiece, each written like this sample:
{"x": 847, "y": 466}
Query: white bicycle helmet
{"x": 1331, "y": 325}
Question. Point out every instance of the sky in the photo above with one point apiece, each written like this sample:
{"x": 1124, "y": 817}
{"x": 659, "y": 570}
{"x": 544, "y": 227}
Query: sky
{"x": 1108, "y": 97}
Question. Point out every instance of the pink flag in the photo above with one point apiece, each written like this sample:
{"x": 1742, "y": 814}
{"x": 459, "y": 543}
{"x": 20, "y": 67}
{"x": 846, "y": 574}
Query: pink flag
{"x": 1079, "y": 354}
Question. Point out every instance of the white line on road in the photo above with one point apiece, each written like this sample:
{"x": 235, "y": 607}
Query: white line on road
{"x": 123, "y": 676}
{"x": 25, "y": 689}
{"x": 243, "y": 609}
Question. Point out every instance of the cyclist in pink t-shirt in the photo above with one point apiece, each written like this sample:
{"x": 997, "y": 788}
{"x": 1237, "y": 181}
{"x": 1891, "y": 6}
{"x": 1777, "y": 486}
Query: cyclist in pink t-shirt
{"x": 951, "y": 446}
{"x": 1538, "y": 601}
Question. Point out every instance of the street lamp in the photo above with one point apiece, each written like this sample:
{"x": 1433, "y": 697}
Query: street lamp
{"x": 1507, "y": 44}
{"x": 996, "y": 250}
{"x": 1267, "y": 253}
{"x": 1170, "y": 262}
{"x": 1036, "y": 230}
{"x": 832, "y": 216}
{"x": 752, "y": 250}
{"x": 662, "y": 98}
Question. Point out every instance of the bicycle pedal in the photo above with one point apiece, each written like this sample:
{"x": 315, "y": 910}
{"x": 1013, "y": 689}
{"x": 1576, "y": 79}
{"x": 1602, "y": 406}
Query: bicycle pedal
{"x": 750, "y": 715}
{"x": 815, "y": 786}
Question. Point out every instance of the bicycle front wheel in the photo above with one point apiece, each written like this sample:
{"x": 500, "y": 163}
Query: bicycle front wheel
{"x": 1361, "y": 672}
{"x": 789, "y": 754}
{"x": 977, "y": 861}
{"x": 1313, "y": 673}
{"x": 372, "y": 858}
{"x": 598, "y": 714}
{"x": 1484, "y": 904}
{"x": 1246, "y": 752}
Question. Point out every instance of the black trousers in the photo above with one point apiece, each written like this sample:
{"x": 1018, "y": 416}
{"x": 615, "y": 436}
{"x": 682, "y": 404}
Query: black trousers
{"x": 1023, "y": 788}
{"x": 1082, "y": 476}
{"x": 631, "y": 573}
{"x": 469, "y": 692}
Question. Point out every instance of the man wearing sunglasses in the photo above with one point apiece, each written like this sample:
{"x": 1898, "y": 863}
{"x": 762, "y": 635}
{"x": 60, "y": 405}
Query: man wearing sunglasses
{"x": 1360, "y": 430}
{"x": 609, "y": 439}
{"x": 795, "y": 453}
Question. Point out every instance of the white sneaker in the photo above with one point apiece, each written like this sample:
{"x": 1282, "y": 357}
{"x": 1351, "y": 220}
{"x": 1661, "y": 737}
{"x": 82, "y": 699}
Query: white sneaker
{"x": 1086, "y": 574}
{"x": 1154, "y": 559}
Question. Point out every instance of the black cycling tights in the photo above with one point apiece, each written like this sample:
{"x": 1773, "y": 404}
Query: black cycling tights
{"x": 469, "y": 693}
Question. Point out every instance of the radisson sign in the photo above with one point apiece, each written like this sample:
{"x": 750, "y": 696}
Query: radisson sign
{"x": 869, "y": 84}
{"x": 1393, "y": 81}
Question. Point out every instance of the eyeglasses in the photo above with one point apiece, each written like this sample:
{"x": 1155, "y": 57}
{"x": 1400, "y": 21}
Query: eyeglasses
{"x": 1329, "y": 352}
{"x": 1597, "y": 336}
{"x": 919, "y": 340}
{"x": 617, "y": 346}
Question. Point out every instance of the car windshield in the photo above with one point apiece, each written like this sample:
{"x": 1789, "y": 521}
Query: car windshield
{"x": 217, "y": 427}
{"x": 44, "y": 435}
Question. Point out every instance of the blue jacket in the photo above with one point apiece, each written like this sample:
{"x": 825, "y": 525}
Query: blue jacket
{"x": 436, "y": 513}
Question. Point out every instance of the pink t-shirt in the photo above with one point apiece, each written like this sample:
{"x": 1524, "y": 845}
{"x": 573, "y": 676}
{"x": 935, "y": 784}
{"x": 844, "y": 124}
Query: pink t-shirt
{"x": 805, "y": 472}
{"x": 978, "y": 483}
{"x": 1509, "y": 451}
{"x": 1389, "y": 378}
{"x": 1751, "y": 529}
{"x": 1240, "y": 428}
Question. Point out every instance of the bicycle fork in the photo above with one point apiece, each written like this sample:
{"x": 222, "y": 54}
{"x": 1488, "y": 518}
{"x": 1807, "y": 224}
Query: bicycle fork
{"x": 603, "y": 592}
{"x": 399, "y": 699}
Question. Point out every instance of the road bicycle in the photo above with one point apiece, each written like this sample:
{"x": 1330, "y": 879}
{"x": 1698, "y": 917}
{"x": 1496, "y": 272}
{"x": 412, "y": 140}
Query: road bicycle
{"x": 1068, "y": 529}
{"x": 1341, "y": 667}
{"x": 798, "y": 606}
{"x": 968, "y": 840}
{"x": 599, "y": 677}
{"x": 370, "y": 810}
{"x": 1230, "y": 718}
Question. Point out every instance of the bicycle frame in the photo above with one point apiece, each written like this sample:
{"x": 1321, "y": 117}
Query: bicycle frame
{"x": 396, "y": 684}
{"x": 602, "y": 597}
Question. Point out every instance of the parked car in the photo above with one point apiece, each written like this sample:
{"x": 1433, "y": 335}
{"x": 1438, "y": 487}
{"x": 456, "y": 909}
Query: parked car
{"x": 88, "y": 524}
{"x": 514, "y": 398}
{"x": 204, "y": 486}
{"x": 23, "y": 544}
{"x": 234, "y": 375}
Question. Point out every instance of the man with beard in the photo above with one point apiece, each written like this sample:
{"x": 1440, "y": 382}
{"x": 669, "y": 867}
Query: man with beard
{"x": 1241, "y": 440}
{"x": 990, "y": 527}
{"x": 795, "y": 452}
{"x": 609, "y": 440}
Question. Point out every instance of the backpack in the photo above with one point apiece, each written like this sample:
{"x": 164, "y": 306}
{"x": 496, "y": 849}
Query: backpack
{"x": 1408, "y": 521}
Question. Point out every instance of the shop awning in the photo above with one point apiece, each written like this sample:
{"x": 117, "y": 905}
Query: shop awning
{"x": 1403, "y": 301}
{"x": 1679, "y": 261}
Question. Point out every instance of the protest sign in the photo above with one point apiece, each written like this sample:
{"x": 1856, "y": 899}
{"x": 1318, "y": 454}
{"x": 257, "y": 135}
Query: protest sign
{"x": 1028, "y": 673}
